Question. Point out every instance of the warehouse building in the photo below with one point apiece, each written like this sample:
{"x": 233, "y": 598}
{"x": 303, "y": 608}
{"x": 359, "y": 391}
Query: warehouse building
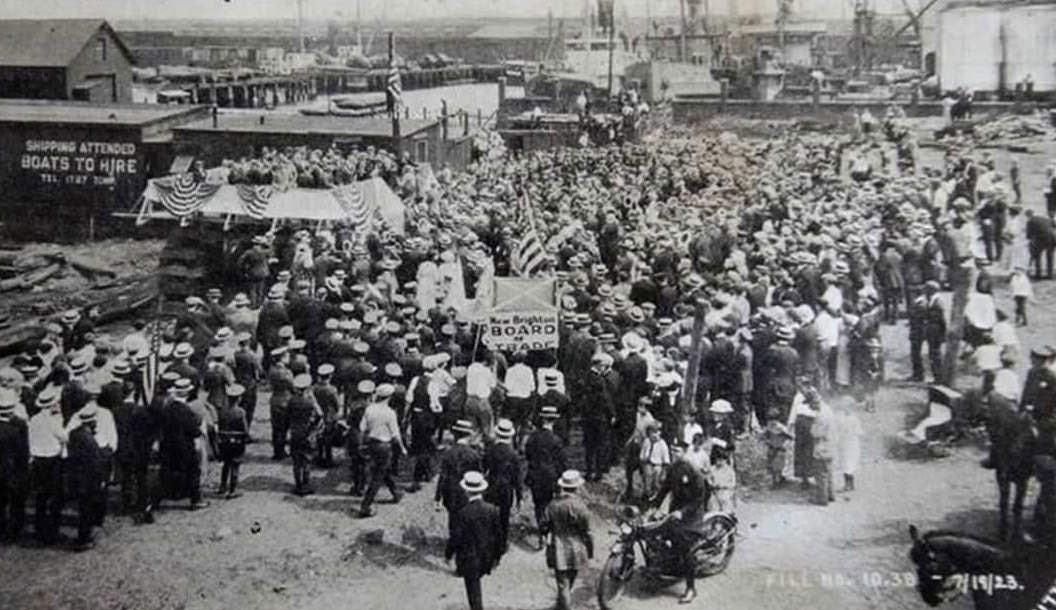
{"x": 64, "y": 59}
{"x": 66, "y": 166}
{"x": 991, "y": 46}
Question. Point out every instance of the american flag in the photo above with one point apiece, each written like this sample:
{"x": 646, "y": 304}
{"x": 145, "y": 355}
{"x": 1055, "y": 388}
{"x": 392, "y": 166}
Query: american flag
{"x": 394, "y": 89}
{"x": 151, "y": 368}
{"x": 529, "y": 256}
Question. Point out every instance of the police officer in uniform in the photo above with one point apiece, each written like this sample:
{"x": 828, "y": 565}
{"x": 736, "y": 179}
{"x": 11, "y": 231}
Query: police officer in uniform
{"x": 232, "y": 435}
{"x": 280, "y": 378}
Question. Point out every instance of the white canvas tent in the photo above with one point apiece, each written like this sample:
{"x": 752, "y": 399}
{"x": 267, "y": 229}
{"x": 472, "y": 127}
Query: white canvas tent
{"x": 229, "y": 202}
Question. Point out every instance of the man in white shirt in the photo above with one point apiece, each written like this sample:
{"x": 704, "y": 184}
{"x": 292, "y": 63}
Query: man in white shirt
{"x": 47, "y": 447}
{"x": 480, "y": 382}
{"x": 520, "y": 385}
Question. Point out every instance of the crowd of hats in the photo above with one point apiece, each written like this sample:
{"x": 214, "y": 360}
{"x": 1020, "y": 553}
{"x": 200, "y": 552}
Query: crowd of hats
{"x": 312, "y": 168}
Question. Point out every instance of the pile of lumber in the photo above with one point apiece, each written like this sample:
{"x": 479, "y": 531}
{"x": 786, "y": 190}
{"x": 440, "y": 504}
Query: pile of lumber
{"x": 19, "y": 272}
{"x": 1012, "y": 128}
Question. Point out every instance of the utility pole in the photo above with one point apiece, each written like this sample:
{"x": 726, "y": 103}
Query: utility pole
{"x": 682, "y": 43}
{"x": 395, "y": 102}
{"x": 689, "y": 389}
{"x": 300, "y": 24}
{"x": 612, "y": 42}
{"x": 359, "y": 30}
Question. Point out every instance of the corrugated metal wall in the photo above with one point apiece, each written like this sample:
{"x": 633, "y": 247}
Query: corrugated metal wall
{"x": 970, "y": 47}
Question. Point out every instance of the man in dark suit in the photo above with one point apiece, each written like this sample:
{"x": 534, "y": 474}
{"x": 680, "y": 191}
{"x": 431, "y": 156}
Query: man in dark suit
{"x": 502, "y": 466}
{"x": 14, "y": 468}
{"x": 456, "y": 462}
{"x": 85, "y": 464}
{"x": 545, "y": 454}
{"x": 476, "y": 538}
{"x": 1041, "y": 236}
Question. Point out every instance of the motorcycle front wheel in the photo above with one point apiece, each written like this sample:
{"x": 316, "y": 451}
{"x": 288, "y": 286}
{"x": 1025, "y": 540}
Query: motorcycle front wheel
{"x": 713, "y": 553}
{"x": 615, "y": 576}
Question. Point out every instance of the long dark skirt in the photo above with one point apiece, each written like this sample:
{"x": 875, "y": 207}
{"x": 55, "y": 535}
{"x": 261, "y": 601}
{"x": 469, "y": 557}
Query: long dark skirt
{"x": 803, "y": 455}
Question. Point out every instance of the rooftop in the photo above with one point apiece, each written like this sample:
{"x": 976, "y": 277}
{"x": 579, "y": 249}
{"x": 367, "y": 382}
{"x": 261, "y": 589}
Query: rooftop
{"x": 48, "y": 42}
{"x": 249, "y": 121}
{"x": 47, "y": 111}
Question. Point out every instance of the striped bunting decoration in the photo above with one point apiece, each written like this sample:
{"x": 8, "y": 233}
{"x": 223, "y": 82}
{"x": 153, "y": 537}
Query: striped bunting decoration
{"x": 185, "y": 194}
{"x": 529, "y": 255}
{"x": 354, "y": 202}
{"x": 255, "y": 198}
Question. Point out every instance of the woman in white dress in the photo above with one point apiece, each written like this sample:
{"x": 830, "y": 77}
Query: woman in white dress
{"x": 843, "y": 350}
{"x": 428, "y": 289}
{"x": 1016, "y": 252}
{"x": 452, "y": 280}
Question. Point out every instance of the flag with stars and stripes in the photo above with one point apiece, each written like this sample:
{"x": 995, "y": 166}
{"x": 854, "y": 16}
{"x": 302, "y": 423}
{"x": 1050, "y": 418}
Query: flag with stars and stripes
{"x": 394, "y": 89}
{"x": 529, "y": 256}
{"x": 151, "y": 368}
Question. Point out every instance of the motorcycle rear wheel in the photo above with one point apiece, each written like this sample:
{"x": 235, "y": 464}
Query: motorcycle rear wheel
{"x": 712, "y": 557}
{"x": 615, "y": 576}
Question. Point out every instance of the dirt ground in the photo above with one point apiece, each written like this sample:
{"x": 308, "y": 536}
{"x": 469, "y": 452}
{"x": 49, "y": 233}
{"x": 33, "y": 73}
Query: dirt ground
{"x": 272, "y": 550}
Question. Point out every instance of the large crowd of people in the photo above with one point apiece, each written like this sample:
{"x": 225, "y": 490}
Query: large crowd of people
{"x": 366, "y": 342}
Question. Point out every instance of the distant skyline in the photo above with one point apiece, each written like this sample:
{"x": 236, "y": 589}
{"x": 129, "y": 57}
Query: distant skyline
{"x": 403, "y": 10}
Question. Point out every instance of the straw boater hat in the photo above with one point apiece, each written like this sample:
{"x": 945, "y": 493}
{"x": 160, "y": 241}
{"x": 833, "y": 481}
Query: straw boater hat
{"x": 182, "y": 350}
{"x": 365, "y": 387}
{"x": 463, "y": 426}
{"x": 473, "y": 482}
{"x": 721, "y": 406}
{"x": 570, "y": 480}
{"x": 549, "y": 412}
{"x": 504, "y": 429}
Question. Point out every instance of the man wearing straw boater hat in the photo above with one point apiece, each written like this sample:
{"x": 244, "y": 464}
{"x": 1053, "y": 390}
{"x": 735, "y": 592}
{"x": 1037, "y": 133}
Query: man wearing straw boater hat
{"x": 456, "y": 462}
{"x": 569, "y": 542}
{"x": 380, "y": 434}
{"x": 545, "y": 455}
{"x": 502, "y": 466}
{"x": 476, "y": 540}
{"x": 86, "y": 476}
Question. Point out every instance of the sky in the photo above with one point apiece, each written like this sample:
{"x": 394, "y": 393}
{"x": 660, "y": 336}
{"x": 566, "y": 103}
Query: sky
{"x": 396, "y": 9}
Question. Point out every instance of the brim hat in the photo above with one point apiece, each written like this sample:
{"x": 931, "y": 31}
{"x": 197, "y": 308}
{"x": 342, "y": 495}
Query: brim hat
{"x": 504, "y": 429}
{"x": 463, "y": 426}
{"x": 235, "y": 390}
{"x": 721, "y": 406}
{"x": 473, "y": 482}
{"x": 570, "y": 479}
{"x": 325, "y": 370}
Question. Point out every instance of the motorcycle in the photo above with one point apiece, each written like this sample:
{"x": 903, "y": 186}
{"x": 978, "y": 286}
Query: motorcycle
{"x": 662, "y": 564}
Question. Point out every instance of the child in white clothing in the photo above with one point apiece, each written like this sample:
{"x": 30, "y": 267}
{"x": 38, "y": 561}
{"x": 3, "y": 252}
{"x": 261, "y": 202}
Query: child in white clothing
{"x": 1022, "y": 292}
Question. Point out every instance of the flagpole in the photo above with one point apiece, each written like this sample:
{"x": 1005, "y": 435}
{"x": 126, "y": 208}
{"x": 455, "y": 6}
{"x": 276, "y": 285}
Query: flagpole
{"x": 395, "y": 102}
